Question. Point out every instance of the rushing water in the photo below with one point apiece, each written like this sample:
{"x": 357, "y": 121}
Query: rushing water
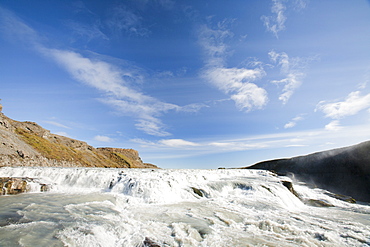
{"x": 134, "y": 207}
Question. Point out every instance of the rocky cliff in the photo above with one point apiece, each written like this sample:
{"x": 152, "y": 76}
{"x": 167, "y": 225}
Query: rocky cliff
{"x": 28, "y": 144}
{"x": 343, "y": 171}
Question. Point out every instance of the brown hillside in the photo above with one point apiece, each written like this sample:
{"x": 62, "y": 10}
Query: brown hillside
{"x": 28, "y": 144}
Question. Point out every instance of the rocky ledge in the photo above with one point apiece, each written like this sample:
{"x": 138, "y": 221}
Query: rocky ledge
{"x": 28, "y": 144}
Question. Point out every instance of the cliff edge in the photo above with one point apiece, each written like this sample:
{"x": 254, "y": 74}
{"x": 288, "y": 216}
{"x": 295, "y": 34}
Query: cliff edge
{"x": 28, "y": 144}
{"x": 344, "y": 171}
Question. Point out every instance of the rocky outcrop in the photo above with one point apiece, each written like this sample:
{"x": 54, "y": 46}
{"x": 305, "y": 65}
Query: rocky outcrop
{"x": 28, "y": 144}
{"x": 342, "y": 171}
{"x": 13, "y": 186}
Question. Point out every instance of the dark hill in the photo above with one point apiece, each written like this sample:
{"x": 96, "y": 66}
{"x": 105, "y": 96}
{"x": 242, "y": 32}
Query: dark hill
{"x": 344, "y": 171}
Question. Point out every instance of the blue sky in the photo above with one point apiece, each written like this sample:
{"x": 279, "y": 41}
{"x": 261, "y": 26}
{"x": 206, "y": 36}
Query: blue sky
{"x": 191, "y": 84}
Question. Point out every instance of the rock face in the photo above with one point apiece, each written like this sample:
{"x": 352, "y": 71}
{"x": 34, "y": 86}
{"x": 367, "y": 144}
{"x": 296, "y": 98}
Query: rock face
{"x": 343, "y": 171}
{"x": 13, "y": 186}
{"x": 28, "y": 144}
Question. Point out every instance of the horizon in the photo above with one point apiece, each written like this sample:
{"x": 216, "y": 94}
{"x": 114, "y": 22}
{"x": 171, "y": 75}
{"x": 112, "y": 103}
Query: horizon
{"x": 190, "y": 84}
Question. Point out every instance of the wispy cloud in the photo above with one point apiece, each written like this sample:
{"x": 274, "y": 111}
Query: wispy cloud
{"x": 292, "y": 69}
{"x": 293, "y": 122}
{"x": 152, "y": 127}
{"x": 366, "y": 81}
{"x": 178, "y": 143}
{"x": 114, "y": 81}
{"x": 235, "y": 82}
{"x": 275, "y": 23}
{"x": 57, "y": 124}
{"x": 15, "y": 30}
{"x": 333, "y": 126}
{"x": 85, "y": 31}
{"x": 123, "y": 20}
{"x": 213, "y": 43}
{"x": 120, "y": 20}
{"x": 333, "y": 135}
{"x": 101, "y": 138}
{"x": 62, "y": 133}
{"x": 351, "y": 105}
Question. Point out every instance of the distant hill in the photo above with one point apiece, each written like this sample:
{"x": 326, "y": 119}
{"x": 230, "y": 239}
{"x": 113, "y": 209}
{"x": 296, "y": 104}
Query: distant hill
{"x": 28, "y": 144}
{"x": 344, "y": 171}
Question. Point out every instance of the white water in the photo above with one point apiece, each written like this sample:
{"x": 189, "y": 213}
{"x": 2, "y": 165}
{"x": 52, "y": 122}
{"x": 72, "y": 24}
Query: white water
{"x": 135, "y": 207}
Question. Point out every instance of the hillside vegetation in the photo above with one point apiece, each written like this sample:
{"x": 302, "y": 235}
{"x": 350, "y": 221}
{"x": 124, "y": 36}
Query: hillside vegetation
{"x": 28, "y": 144}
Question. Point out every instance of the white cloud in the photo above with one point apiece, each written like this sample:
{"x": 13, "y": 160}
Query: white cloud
{"x": 57, "y": 124}
{"x": 290, "y": 125}
{"x": 275, "y": 23}
{"x": 107, "y": 77}
{"x": 291, "y": 83}
{"x": 152, "y": 127}
{"x": 309, "y": 140}
{"x": 213, "y": 43}
{"x": 235, "y": 82}
{"x": 353, "y": 104}
{"x": 97, "y": 73}
{"x": 333, "y": 126}
{"x": 221, "y": 144}
{"x": 62, "y": 133}
{"x": 294, "y": 121}
{"x": 300, "y": 4}
{"x": 116, "y": 84}
{"x": 100, "y": 138}
{"x": 231, "y": 79}
{"x": 177, "y": 143}
{"x": 292, "y": 69}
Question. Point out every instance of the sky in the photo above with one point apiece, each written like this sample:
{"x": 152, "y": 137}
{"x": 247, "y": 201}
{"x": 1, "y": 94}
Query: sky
{"x": 189, "y": 83}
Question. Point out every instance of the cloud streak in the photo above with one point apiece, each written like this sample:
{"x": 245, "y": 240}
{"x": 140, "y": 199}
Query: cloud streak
{"x": 331, "y": 136}
{"x": 115, "y": 83}
{"x": 177, "y": 143}
{"x": 57, "y": 124}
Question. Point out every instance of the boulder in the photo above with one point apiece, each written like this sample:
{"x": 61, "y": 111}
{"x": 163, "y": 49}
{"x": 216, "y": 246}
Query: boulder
{"x": 14, "y": 186}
